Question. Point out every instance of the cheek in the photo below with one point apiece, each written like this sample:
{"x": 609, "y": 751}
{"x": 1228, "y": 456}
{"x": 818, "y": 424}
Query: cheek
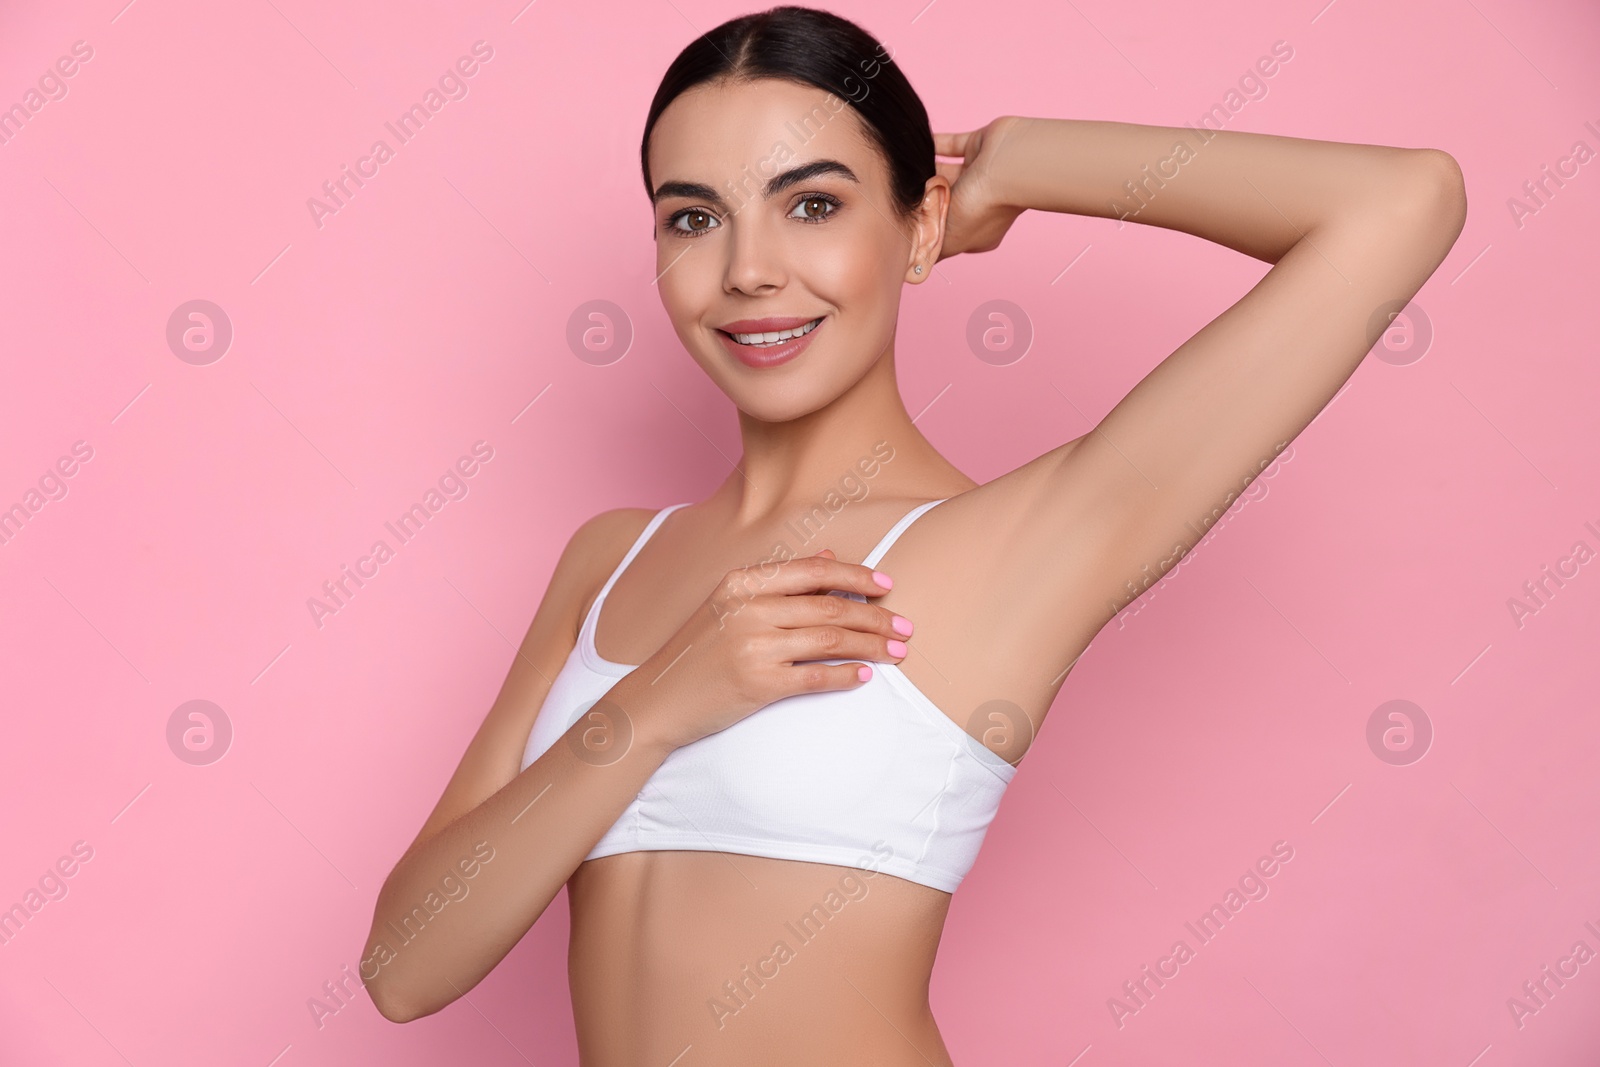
{"x": 683, "y": 287}
{"x": 857, "y": 275}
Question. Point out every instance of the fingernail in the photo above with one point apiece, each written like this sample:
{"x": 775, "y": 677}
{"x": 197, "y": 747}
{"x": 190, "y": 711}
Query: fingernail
{"x": 865, "y": 674}
{"x": 897, "y": 649}
{"x": 901, "y": 625}
{"x": 883, "y": 579}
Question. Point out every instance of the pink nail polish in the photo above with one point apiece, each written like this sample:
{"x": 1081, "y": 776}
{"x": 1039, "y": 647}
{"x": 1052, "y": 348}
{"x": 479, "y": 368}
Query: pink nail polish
{"x": 883, "y": 579}
{"x": 865, "y": 674}
{"x": 901, "y": 624}
{"x": 897, "y": 649}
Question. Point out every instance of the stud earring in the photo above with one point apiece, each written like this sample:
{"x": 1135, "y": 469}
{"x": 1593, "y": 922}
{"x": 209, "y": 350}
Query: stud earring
{"x": 919, "y": 268}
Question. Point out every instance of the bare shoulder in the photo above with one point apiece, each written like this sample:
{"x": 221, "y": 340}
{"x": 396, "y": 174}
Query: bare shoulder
{"x": 596, "y": 533}
{"x": 596, "y": 547}
{"x": 493, "y": 757}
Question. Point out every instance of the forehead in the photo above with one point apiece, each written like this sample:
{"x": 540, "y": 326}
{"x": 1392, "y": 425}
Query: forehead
{"x": 716, "y": 131}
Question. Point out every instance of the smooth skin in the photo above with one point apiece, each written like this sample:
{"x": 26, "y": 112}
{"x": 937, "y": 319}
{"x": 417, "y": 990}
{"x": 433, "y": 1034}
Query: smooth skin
{"x": 1006, "y": 582}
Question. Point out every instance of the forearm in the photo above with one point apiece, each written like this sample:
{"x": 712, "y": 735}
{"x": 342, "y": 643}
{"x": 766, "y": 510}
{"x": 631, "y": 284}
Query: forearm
{"x": 539, "y": 826}
{"x": 1259, "y": 194}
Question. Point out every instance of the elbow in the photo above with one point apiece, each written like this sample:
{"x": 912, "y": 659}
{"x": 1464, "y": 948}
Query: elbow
{"x": 390, "y": 993}
{"x": 1441, "y": 187}
{"x": 392, "y": 1006}
{"x": 402, "y": 998}
{"x": 393, "y": 1013}
{"x": 388, "y": 1001}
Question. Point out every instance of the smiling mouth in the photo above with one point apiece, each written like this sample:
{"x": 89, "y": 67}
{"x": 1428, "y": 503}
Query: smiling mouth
{"x": 771, "y": 340}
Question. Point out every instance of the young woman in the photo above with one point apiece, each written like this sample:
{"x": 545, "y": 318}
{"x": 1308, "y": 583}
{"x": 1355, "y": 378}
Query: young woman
{"x": 760, "y": 846}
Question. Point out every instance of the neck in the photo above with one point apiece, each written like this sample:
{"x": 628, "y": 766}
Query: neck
{"x": 862, "y": 443}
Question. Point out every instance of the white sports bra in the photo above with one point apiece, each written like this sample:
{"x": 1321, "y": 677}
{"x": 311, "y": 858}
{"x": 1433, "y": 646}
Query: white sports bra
{"x": 875, "y": 777}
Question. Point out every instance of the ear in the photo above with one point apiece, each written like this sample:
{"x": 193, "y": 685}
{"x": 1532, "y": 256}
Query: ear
{"x": 927, "y": 233}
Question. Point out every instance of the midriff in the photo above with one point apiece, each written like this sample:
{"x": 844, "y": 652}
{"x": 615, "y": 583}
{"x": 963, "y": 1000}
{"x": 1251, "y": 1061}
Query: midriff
{"x": 828, "y": 964}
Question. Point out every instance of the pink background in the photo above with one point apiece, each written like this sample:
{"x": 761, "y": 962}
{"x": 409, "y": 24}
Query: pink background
{"x": 1223, "y": 713}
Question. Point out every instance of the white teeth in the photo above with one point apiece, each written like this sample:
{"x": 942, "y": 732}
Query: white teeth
{"x": 765, "y": 339}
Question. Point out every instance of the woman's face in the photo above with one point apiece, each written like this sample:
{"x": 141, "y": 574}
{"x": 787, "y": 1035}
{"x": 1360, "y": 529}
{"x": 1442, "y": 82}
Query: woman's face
{"x": 829, "y": 246}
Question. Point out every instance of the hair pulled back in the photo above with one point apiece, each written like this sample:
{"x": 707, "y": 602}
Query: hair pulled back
{"x": 821, "y": 49}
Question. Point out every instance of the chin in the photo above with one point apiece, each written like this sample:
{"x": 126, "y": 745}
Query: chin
{"x": 775, "y": 402}
{"x": 778, "y": 406}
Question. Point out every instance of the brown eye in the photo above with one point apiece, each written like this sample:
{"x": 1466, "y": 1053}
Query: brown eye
{"x": 701, "y": 223}
{"x": 816, "y": 208}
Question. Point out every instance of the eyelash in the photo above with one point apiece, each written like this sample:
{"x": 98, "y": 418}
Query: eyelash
{"x": 671, "y": 223}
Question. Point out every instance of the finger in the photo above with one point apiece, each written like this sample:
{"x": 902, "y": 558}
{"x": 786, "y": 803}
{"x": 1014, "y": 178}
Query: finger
{"x": 951, "y": 144}
{"x": 827, "y": 552}
{"x": 824, "y": 677}
{"x": 795, "y": 612}
{"x": 809, "y": 643}
{"x": 813, "y": 574}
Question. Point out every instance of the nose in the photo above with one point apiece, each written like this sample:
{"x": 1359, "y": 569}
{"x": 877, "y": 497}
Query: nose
{"x": 755, "y": 255}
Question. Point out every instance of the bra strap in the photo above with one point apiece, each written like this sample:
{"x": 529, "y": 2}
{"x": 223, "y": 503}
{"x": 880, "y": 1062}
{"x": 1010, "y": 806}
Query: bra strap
{"x": 896, "y": 530}
{"x": 645, "y": 535}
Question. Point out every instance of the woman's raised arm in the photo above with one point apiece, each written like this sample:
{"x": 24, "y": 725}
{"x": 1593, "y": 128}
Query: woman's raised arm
{"x": 1353, "y": 232}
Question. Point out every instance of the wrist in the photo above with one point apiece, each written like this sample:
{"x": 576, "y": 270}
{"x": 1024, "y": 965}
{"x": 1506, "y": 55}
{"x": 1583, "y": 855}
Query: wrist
{"x": 646, "y": 717}
{"x": 1004, "y": 182}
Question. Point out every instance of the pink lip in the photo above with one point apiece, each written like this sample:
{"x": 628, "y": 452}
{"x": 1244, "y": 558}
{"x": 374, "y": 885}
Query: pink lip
{"x": 768, "y": 325}
{"x": 777, "y": 354}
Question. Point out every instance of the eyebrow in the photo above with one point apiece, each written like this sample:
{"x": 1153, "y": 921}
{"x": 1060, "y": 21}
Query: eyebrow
{"x": 775, "y": 185}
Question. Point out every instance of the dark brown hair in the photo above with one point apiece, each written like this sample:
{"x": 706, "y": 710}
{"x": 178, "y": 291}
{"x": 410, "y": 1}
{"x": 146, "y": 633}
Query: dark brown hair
{"x": 821, "y": 49}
